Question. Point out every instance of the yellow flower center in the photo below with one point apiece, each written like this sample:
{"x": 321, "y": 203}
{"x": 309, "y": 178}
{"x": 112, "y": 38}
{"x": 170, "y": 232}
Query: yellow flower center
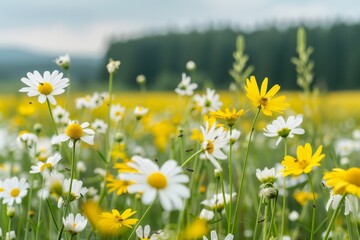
{"x": 74, "y": 131}
{"x": 74, "y": 225}
{"x": 46, "y": 165}
{"x": 157, "y": 180}
{"x": 119, "y": 218}
{"x": 1, "y": 189}
{"x": 45, "y": 88}
{"x": 210, "y": 147}
{"x": 15, "y": 192}
{"x": 302, "y": 163}
{"x": 263, "y": 101}
{"x": 352, "y": 176}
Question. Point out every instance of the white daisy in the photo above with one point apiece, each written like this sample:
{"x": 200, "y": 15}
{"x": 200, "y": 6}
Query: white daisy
{"x": 10, "y": 235}
{"x": 214, "y": 236}
{"x": 140, "y": 112}
{"x": 151, "y": 180}
{"x": 61, "y": 116}
{"x": 185, "y": 88}
{"x": 214, "y": 140}
{"x": 143, "y": 234}
{"x": 280, "y": 128}
{"x": 117, "y": 112}
{"x": 84, "y": 102}
{"x": 190, "y": 65}
{"x": 266, "y": 175}
{"x": 344, "y": 147}
{"x": 96, "y": 100}
{"x": 13, "y": 190}
{"x": 207, "y": 215}
{"x": 217, "y": 201}
{"x": 53, "y": 182}
{"x": 63, "y": 61}
{"x": 77, "y": 190}
{"x": 29, "y": 141}
{"x": 74, "y": 225}
{"x": 49, "y": 164}
{"x": 208, "y": 102}
{"x": 112, "y": 66}
{"x": 46, "y": 87}
{"x": 99, "y": 125}
{"x": 76, "y": 132}
{"x": 351, "y": 203}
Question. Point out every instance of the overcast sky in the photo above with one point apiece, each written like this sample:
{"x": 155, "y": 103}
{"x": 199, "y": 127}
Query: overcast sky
{"x": 86, "y": 26}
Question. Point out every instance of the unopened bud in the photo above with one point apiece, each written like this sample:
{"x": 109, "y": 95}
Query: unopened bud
{"x": 10, "y": 212}
{"x": 119, "y": 137}
{"x": 140, "y": 79}
{"x": 217, "y": 173}
{"x": 269, "y": 193}
{"x": 37, "y": 128}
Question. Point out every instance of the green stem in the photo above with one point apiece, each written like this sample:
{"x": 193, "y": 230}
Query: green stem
{"x": 257, "y": 219}
{"x": 28, "y": 208}
{"x": 52, "y": 117}
{"x": 272, "y": 216}
{"x": 230, "y": 181}
{"x": 244, "y": 170}
{"x": 333, "y": 217}
{"x": 284, "y": 198}
{"x": 40, "y": 208}
{"x": 108, "y": 120}
{"x": 314, "y": 209}
{"x": 191, "y": 157}
{"x": 9, "y": 226}
{"x": 265, "y": 220}
{"x": 73, "y": 165}
{"x": 143, "y": 216}
{"x": 224, "y": 198}
{"x": 52, "y": 214}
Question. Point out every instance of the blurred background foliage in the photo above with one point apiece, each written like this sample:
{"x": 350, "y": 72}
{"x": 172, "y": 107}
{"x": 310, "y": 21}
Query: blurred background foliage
{"x": 162, "y": 58}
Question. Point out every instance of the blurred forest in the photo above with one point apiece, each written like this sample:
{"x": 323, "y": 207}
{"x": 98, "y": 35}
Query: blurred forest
{"x": 162, "y": 58}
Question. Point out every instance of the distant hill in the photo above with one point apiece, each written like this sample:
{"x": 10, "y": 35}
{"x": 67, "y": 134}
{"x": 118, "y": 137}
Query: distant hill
{"x": 15, "y": 63}
{"x": 162, "y": 58}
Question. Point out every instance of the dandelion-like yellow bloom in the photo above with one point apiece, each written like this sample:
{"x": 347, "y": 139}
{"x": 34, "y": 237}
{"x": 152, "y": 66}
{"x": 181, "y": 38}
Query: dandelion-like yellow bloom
{"x": 112, "y": 223}
{"x": 229, "y": 116}
{"x": 263, "y": 99}
{"x": 117, "y": 185}
{"x": 302, "y": 197}
{"x": 195, "y": 229}
{"x": 344, "y": 181}
{"x": 304, "y": 162}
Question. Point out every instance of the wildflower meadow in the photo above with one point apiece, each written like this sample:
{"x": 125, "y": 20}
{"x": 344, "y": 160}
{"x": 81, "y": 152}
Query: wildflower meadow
{"x": 252, "y": 162}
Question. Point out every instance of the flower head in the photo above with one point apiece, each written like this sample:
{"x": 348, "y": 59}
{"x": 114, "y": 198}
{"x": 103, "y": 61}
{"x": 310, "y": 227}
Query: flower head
{"x": 304, "y": 162}
{"x": 63, "y": 61}
{"x": 214, "y": 236}
{"x": 74, "y": 225}
{"x": 151, "y": 180}
{"x": 351, "y": 203}
{"x": 99, "y": 125}
{"x": 266, "y": 175}
{"x": 117, "y": 112}
{"x": 264, "y": 100}
{"x": 190, "y": 65}
{"x": 214, "y": 139}
{"x": 77, "y": 190}
{"x": 216, "y": 203}
{"x": 140, "y": 111}
{"x": 113, "y": 66}
{"x": 46, "y": 87}
{"x": 208, "y": 102}
{"x": 113, "y": 222}
{"x": 280, "y": 128}
{"x": 13, "y": 190}
{"x": 344, "y": 181}
{"x": 49, "y": 164}
{"x": 185, "y": 88}
{"x": 229, "y": 116}
{"x": 76, "y": 132}
{"x": 302, "y": 197}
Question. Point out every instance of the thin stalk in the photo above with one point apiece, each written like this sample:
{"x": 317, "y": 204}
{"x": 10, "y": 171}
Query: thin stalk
{"x": 9, "y": 226}
{"x": 314, "y": 209}
{"x": 265, "y": 220}
{"x": 52, "y": 214}
{"x": 257, "y": 218}
{"x": 333, "y": 217}
{"x": 108, "y": 120}
{"x": 40, "y": 208}
{"x": 73, "y": 165}
{"x": 28, "y": 208}
{"x": 272, "y": 216}
{"x": 143, "y": 216}
{"x": 244, "y": 170}
{"x": 191, "y": 157}
{"x": 230, "y": 181}
{"x": 224, "y": 198}
{"x": 284, "y": 198}
{"x": 348, "y": 225}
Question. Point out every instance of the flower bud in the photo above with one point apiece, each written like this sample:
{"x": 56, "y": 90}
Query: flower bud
{"x": 269, "y": 193}
{"x": 37, "y": 128}
{"x": 190, "y": 66}
{"x": 141, "y": 79}
{"x": 10, "y": 212}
